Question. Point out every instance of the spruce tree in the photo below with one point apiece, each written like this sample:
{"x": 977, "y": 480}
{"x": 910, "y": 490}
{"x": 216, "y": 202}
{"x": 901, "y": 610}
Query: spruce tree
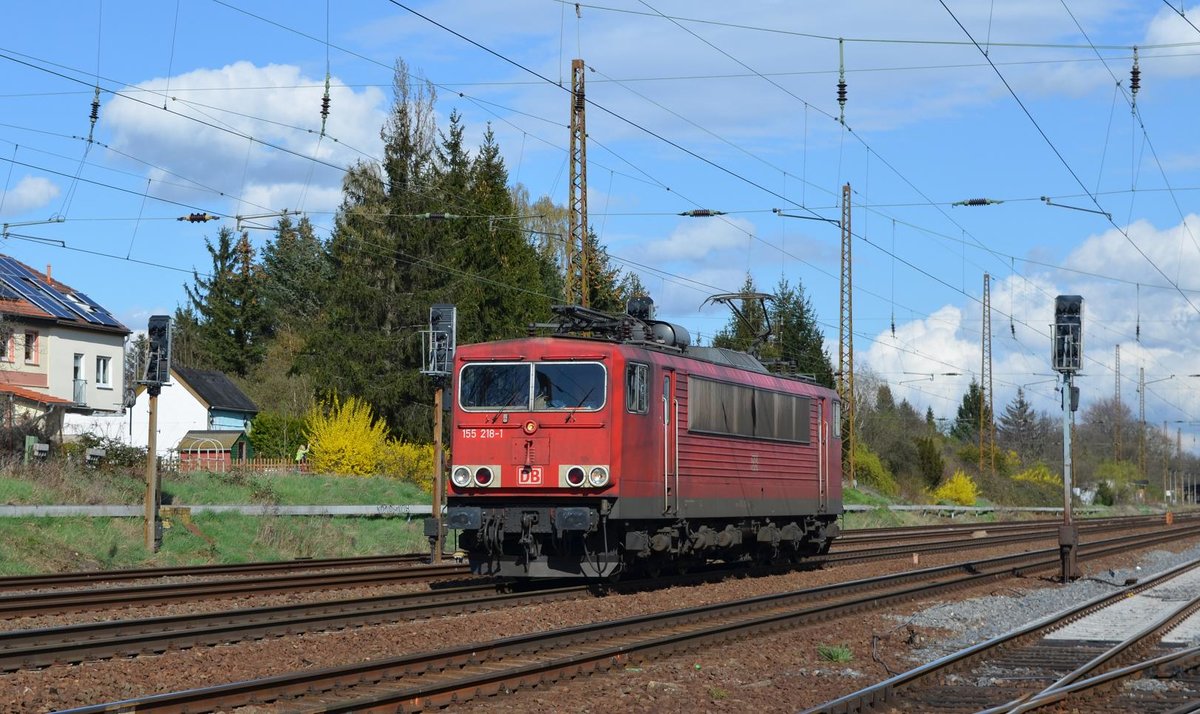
{"x": 385, "y": 264}
{"x": 230, "y": 321}
{"x": 966, "y": 421}
{"x": 295, "y": 268}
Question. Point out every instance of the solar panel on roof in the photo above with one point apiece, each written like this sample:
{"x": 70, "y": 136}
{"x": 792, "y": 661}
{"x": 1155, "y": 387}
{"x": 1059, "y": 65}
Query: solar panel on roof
{"x": 98, "y": 310}
{"x": 18, "y": 284}
{"x": 32, "y": 288}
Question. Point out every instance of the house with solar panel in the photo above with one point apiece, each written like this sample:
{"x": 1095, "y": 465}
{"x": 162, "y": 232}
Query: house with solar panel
{"x": 62, "y": 354}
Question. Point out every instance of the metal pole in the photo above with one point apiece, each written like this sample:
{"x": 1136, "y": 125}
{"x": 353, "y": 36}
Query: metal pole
{"x": 151, "y": 525}
{"x": 439, "y": 484}
{"x": 1068, "y": 534}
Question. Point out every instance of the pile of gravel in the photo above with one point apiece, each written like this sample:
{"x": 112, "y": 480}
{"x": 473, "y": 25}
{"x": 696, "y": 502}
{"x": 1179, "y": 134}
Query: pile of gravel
{"x": 980, "y": 619}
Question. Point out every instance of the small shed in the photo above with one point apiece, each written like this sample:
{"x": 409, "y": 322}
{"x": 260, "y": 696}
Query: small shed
{"x": 213, "y": 450}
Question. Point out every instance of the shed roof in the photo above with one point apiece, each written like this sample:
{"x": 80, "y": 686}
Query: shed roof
{"x": 209, "y": 440}
{"x": 216, "y": 389}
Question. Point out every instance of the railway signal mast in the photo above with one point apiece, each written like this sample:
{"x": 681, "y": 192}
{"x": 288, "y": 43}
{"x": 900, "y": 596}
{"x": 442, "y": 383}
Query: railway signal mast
{"x": 438, "y": 343}
{"x": 1066, "y": 358}
{"x": 158, "y": 373}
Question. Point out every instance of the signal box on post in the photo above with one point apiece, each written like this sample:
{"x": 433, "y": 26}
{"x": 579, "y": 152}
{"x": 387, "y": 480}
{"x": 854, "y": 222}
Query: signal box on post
{"x": 1066, "y": 340}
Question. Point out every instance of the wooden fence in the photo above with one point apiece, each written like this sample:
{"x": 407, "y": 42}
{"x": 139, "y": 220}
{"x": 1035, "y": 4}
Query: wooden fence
{"x": 264, "y": 466}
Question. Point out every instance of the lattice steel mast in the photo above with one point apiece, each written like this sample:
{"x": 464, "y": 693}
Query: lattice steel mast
{"x": 846, "y": 341}
{"x": 987, "y": 422}
{"x": 1117, "y": 404}
{"x": 576, "y": 285}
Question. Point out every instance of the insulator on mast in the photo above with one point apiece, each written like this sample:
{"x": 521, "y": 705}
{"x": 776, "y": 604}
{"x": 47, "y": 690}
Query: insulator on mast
{"x": 95, "y": 112}
{"x": 841, "y": 85}
{"x": 1135, "y": 81}
{"x": 325, "y": 105}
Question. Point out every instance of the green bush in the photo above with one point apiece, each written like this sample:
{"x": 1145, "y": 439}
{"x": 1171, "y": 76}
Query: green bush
{"x": 929, "y": 461}
{"x": 116, "y": 452}
{"x": 276, "y": 436}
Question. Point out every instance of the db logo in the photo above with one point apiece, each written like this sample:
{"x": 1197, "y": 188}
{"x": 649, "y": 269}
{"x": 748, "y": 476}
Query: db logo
{"x": 529, "y": 476}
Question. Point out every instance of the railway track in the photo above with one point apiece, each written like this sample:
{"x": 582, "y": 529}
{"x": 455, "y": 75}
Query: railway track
{"x": 966, "y": 531}
{"x": 1093, "y": 657}
{"x": 29, "y": 582}
{"x": 61, "y": 601}
{"x": 432, "y": 679}
{"x": 24, "y": 649}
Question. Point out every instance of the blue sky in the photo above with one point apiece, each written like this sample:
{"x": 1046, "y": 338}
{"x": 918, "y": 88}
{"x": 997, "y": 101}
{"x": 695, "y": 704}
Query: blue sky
{"x": 724, "y": 106}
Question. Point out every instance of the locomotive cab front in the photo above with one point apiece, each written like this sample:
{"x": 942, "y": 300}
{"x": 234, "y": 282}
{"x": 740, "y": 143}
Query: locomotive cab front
{"x": 531, "y": 479}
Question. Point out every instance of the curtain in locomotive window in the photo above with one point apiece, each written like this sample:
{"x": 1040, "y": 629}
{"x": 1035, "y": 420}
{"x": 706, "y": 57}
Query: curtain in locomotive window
{"x": 718, "y": 408}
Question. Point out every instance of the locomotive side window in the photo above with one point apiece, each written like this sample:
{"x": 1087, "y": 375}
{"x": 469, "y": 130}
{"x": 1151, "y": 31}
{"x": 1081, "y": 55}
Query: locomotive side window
{"x": 637, "y": 398}
{"x": 494, "y": 386}
{"x": 737, "y": 410}
{"x": 568, "y": 385}
{"x": 837, "y": 420}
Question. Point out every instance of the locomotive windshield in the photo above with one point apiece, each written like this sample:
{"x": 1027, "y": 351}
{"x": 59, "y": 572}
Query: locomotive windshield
{"x": 494, "y": 386}
{"x": 548, "y": 386}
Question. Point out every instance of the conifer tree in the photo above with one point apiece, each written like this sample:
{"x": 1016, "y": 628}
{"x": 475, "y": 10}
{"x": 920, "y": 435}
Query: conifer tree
{"x": 230, "y": 321}
{"x": 384, "y": 263}
{"x": 966, "y": 421}
{"x": 295, "y": 269}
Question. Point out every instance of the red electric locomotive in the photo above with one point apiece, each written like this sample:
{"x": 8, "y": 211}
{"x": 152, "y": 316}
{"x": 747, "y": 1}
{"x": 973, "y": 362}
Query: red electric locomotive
{"x": 629, "y": 450}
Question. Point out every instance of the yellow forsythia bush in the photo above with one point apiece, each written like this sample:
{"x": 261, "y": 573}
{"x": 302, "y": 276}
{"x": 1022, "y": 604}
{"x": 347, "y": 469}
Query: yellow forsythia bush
{"x": 408, "y": 462}
{"x": 870, "y": 471}
{"x": 958, "y": 489}
{"x": 1039, "y": 474}
{"x": 344, "y": 438}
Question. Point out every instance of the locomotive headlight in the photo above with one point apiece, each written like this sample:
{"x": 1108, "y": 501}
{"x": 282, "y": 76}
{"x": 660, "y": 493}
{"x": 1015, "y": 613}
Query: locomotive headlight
{"x": 461, "y": 477}
{"x": 598, "y": 476}
{"x": 575, "y": 477}
{"x": 529, "y": 427}
{"x": 483, "y": 476}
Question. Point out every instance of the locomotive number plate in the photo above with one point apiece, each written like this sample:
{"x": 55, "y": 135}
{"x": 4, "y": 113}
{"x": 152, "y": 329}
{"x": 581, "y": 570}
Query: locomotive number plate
{"x": 482, "y": 433}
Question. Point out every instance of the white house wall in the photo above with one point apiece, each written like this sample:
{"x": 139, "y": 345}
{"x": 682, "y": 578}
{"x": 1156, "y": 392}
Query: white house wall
{"x": 179, "y": 411}
{"x": 62, "y": 344}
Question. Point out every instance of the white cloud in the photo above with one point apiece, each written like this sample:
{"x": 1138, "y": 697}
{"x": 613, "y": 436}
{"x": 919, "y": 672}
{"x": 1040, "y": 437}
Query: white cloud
{"x": 30, "y": 194}
{"x": 697, "y": 241}
{"x": 271, "y": 108}
{"x": 1168, "y": 28}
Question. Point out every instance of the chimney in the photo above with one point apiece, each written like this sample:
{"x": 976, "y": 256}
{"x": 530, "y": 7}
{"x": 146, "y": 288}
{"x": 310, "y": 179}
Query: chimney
{"x": 48, "y": 277}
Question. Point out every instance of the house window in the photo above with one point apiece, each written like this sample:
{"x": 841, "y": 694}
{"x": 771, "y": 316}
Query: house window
{"x": 31, "y": 347}
{"x": 6, "y": 350}
{"x": 102, "y": 372}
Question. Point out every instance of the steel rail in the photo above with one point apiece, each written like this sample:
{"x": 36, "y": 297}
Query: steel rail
{"x": 24, "y": 649}
{"x": 59, "y": 601}
{"x": 460, "y": 673}
{"x": 886, "y": 692}
{"x": 25, "y": 582}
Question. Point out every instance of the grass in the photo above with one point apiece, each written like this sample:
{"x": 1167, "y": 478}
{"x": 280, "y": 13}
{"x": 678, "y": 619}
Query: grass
{"x": 835, "y": 653}
{"x": 50, "y": 484}
{"x": 43, "y": 545}
{"x": 288, "y": 489}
